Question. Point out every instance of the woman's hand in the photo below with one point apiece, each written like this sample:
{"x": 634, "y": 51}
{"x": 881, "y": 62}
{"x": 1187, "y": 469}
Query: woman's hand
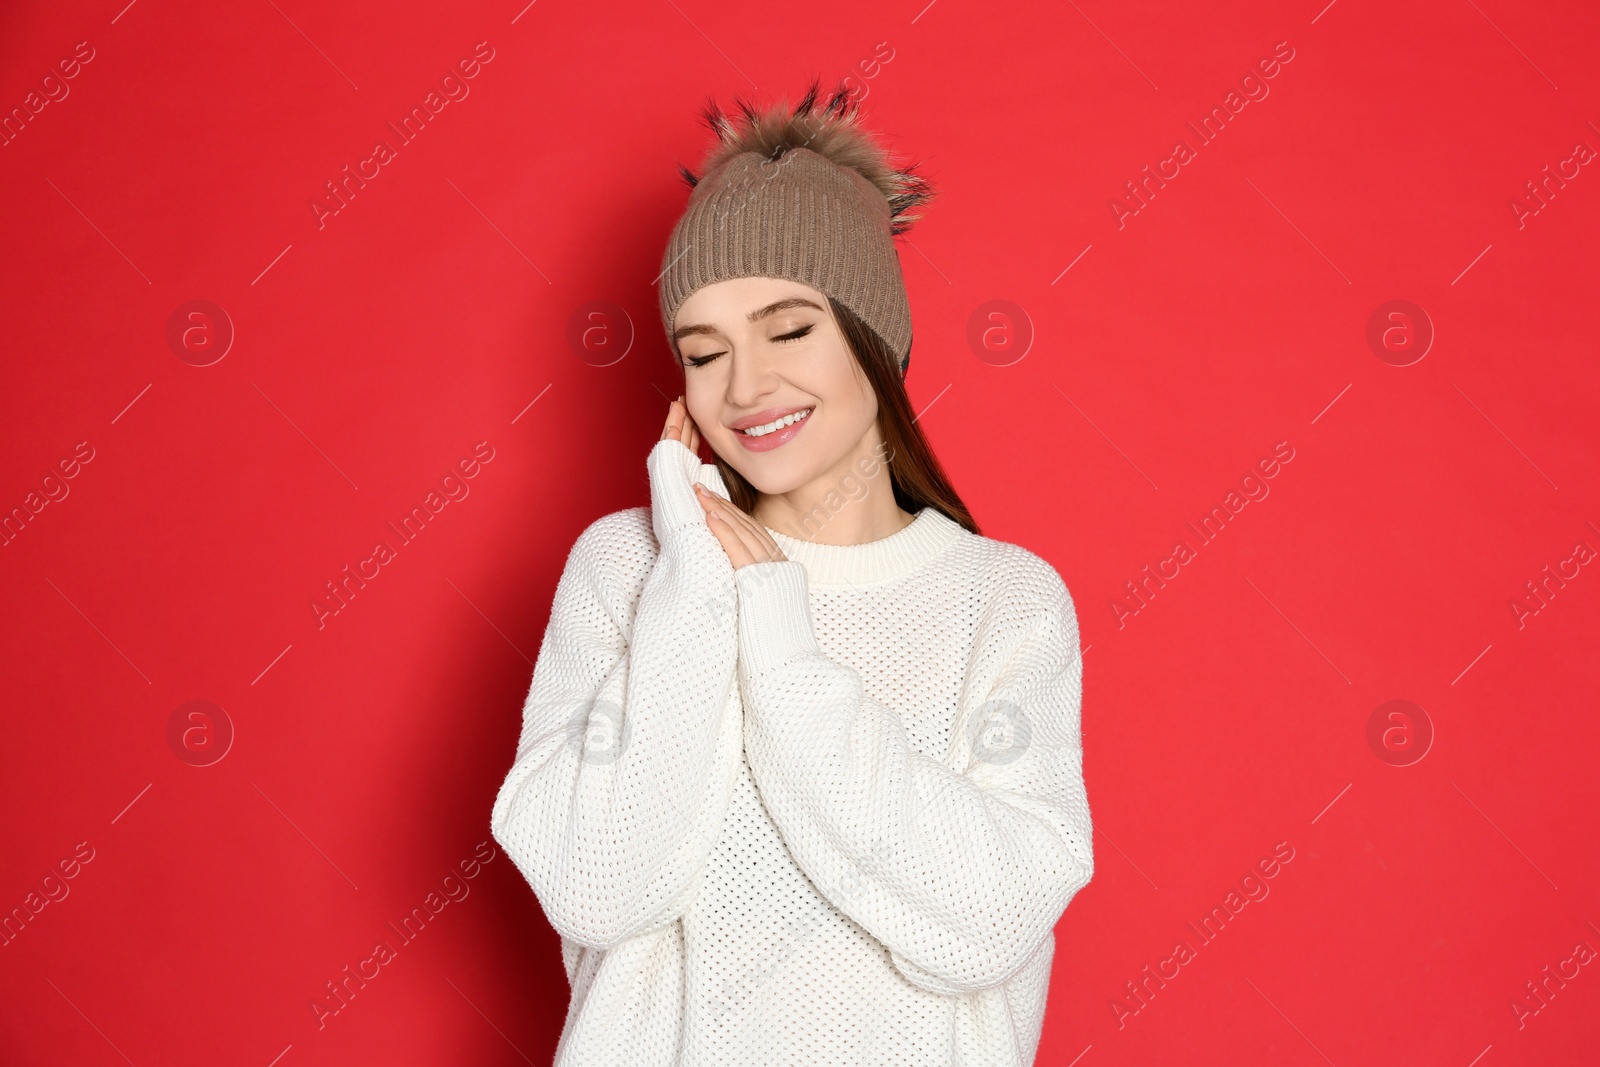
{"x": 681, "y": 427}
{"x": 744, "y": 539}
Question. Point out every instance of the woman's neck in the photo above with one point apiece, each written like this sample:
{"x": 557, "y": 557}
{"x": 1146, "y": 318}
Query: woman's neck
{"x": 841, "y": 507}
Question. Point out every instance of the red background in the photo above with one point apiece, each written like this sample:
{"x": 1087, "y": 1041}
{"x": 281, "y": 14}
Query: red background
{"x": 372, "y": 352}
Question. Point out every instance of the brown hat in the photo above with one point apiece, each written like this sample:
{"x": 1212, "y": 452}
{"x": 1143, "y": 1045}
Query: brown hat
{"x": 804, "y": 196}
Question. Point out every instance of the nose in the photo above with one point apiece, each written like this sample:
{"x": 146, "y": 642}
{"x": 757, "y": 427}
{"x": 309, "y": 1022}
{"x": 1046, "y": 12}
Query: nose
{"x": 751, "y": 377}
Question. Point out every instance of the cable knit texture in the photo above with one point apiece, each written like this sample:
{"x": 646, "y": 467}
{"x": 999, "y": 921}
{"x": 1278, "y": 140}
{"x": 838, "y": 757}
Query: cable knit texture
{"x": 825, "y": 810}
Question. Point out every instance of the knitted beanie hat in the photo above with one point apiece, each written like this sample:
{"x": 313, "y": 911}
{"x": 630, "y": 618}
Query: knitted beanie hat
{"x": 805, "y": 195}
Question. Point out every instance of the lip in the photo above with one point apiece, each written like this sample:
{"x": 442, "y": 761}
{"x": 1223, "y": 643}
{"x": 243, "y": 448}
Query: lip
{"x": 761, "y": 418}
{"x": 767, "y": 442}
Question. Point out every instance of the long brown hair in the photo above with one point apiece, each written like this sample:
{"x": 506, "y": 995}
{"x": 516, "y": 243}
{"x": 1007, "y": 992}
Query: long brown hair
{"x": 918, "y": 479}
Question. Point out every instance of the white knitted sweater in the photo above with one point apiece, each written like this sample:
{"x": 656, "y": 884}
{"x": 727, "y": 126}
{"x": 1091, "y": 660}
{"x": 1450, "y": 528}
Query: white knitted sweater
{"x": 826, "y": 810}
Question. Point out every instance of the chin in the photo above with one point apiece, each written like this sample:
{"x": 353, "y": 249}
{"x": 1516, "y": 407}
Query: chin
{"x": 767, "y": 485}
{"x": 770, "y": 475}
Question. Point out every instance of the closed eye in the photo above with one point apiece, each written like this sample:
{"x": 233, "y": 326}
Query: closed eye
{"x": 700, "y": 361}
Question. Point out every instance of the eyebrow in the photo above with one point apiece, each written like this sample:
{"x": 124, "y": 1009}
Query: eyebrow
{"x": 754, "y": 316}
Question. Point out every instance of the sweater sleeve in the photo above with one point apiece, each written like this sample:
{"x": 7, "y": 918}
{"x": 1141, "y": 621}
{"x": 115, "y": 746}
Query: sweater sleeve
{"x": 962, "y": 876}
{"x": 631, "y": 733}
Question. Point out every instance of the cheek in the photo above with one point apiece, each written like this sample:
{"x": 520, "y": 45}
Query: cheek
{"x": 849, "y": 416}
{"x": 701, "y": 410}
{"x": 849, "y": 396}
{"x": 831, "y": 375}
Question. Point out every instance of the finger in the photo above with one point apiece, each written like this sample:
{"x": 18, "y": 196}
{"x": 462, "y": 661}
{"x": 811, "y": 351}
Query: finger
{"x": 768, "y": 547}
{"x": 738, "y": 552}
{"x": 731, "y": 511}
{"x": 761, "y": 542}
{"x": 688, "y": 424}
{"x": 750, "y": 533}
{"x": 675, "y": 416}
{"x": 710, "y": 499}
{"x": 756, "y": 542}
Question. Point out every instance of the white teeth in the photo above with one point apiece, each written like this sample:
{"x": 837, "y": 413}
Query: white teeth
{"x": 762, "y": 431}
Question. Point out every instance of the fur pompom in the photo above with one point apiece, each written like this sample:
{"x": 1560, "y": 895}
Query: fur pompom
{"x": 830, "y": 130}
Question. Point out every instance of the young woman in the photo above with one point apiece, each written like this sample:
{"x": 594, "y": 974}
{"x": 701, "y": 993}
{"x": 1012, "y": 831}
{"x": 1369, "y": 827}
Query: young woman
{"x": 800, "y": 778}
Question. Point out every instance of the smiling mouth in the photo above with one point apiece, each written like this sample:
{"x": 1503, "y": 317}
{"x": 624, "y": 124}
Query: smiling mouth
{"x": 777, "y": 424}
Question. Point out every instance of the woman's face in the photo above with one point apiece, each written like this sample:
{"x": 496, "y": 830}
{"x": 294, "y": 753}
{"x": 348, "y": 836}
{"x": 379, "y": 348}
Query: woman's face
{"x": 757, "y": 349}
